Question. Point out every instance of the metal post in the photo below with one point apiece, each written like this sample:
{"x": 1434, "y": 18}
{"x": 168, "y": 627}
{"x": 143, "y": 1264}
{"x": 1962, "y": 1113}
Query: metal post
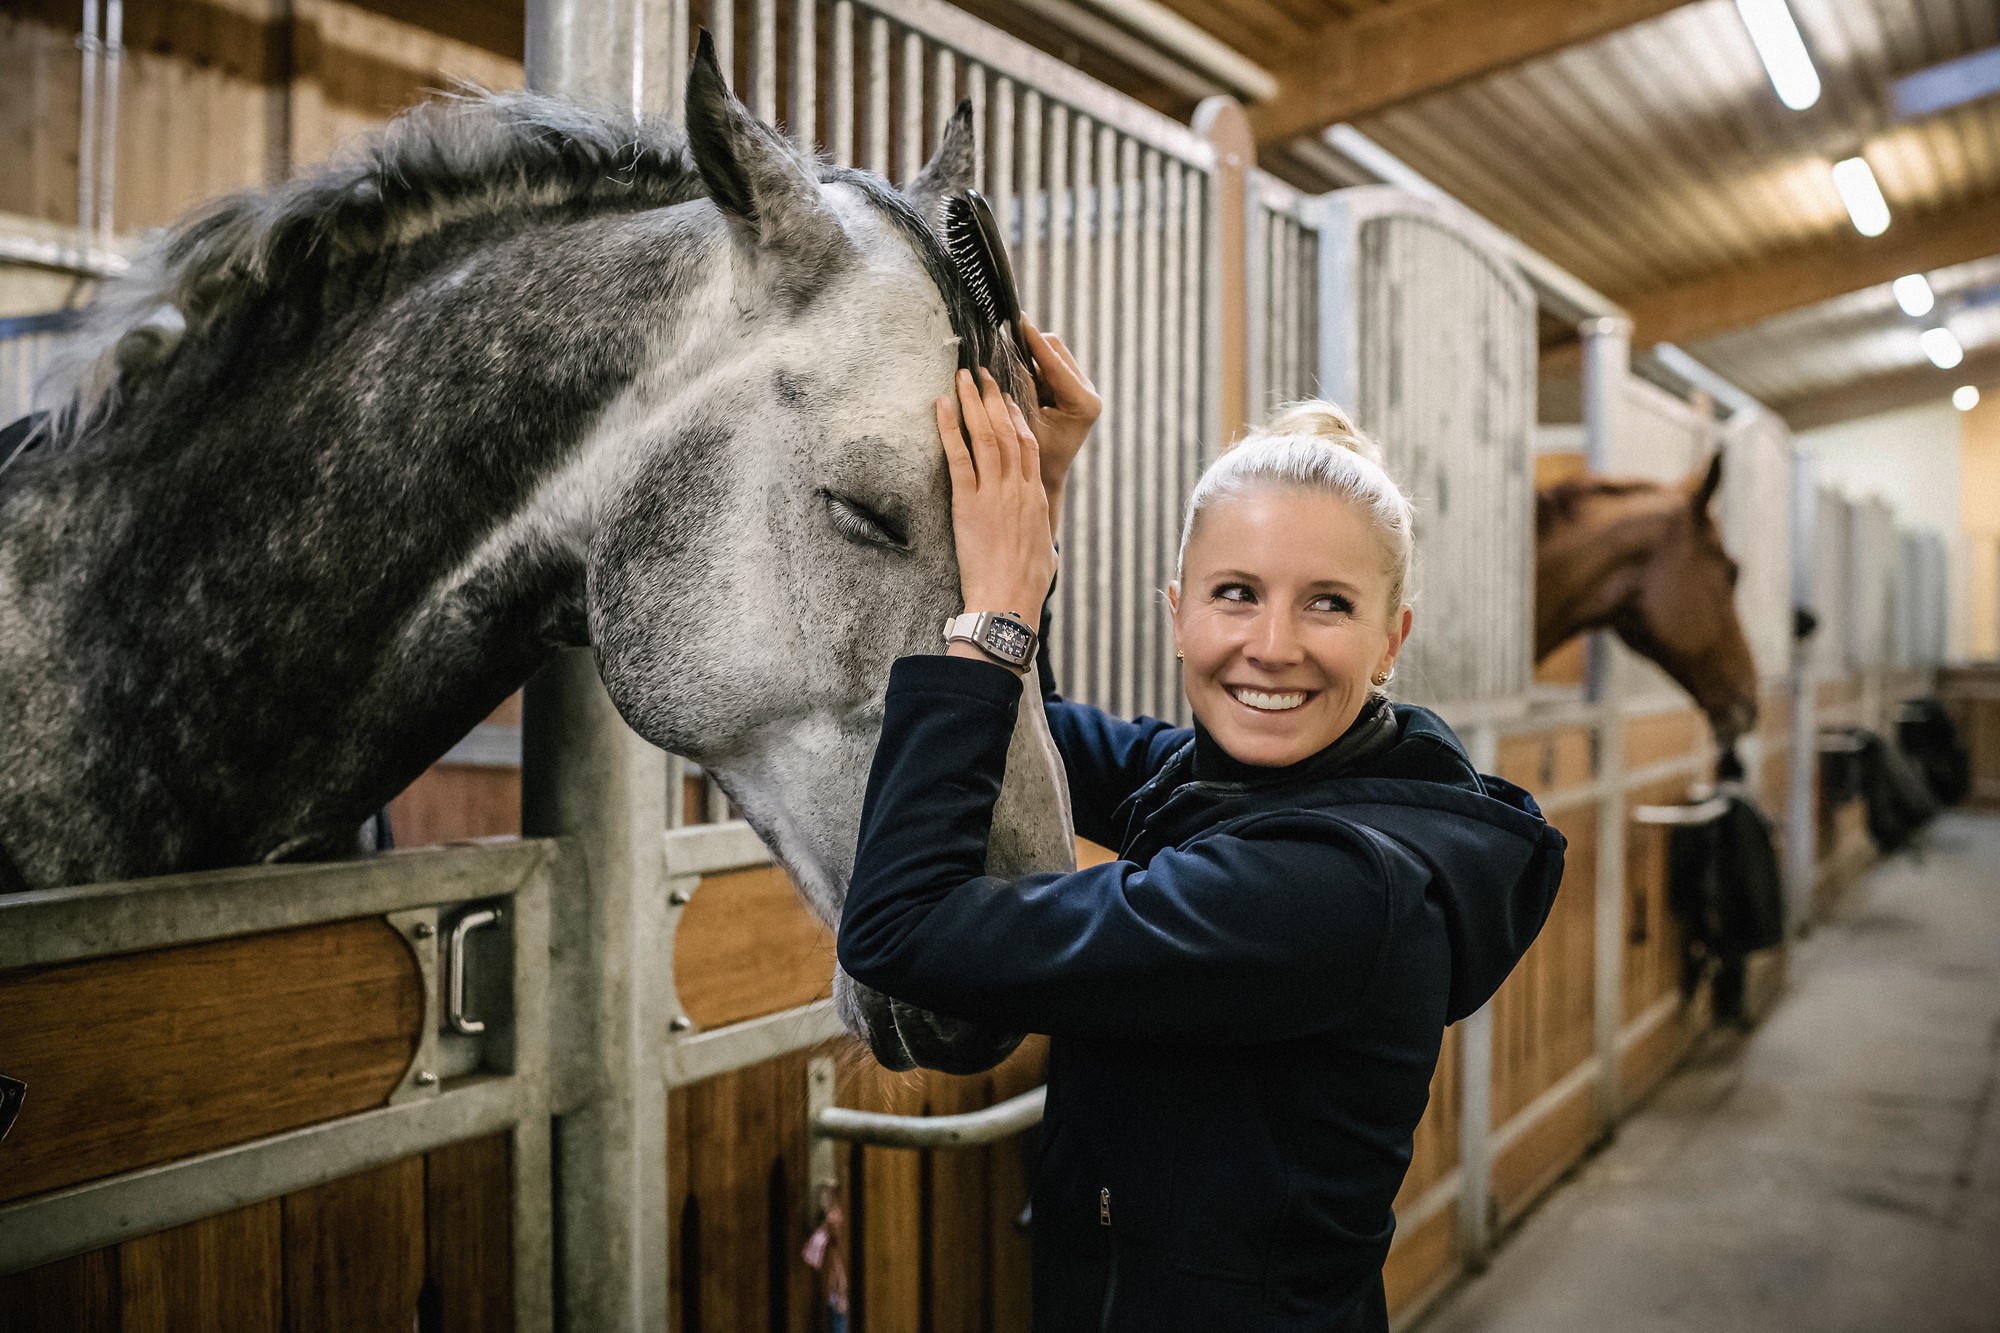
{"x": 587, "y": 778}
{"x": 615, "y": 53}
{"x": 1224, "y": 123}
{"x": 1607, "y": 355}
{"x": 1475, "y": 1053}
{"x": 1801, "y": 830}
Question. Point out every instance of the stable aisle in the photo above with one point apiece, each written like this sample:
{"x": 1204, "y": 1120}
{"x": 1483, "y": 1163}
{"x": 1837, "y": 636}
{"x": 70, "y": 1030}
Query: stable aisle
{"x": 1837, "y": 1170}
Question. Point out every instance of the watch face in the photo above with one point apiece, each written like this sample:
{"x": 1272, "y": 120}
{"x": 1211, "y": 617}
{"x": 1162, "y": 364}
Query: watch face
{"x": 1007, "y": 639}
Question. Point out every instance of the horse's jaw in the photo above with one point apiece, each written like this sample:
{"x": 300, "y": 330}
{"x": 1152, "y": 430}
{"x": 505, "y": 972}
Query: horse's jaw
{"x": 815, "y": 842}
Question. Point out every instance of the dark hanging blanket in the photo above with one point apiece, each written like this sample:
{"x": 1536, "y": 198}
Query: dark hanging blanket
{"x": 1930, "y": 738}
{"x": 1724, "y": 887}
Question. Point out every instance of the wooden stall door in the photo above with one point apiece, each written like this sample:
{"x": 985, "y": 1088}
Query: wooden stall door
{"x": 423, "y": 1244}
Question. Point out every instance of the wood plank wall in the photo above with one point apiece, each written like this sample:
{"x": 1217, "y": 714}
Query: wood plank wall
{"x": 219, "y": 95}
{"x": 423, "y": 1243}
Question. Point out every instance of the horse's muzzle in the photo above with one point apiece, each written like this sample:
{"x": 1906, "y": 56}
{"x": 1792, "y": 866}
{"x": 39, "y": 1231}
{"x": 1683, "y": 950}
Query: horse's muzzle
{"x": 903, "y": 1036}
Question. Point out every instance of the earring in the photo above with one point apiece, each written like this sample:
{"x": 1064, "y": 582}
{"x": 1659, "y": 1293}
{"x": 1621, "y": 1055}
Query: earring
{"x": 1382, "y": 678}
{"x": 1179, "y": 656}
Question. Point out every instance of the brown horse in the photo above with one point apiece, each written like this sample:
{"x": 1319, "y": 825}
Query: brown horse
{"x": 1644, "y": 559}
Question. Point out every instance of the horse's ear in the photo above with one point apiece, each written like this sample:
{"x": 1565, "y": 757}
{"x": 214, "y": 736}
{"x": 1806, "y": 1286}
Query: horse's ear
{"x": 1710, "y": 481}
{"x": 753, "y": 174}
{"x": 953, "y": 169}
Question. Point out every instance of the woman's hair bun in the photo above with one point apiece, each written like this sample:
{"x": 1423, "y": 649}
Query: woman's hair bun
{"x": 1318, "y": 419}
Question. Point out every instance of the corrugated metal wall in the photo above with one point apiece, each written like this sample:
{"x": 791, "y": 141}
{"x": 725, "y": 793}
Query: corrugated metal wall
{"x": 1430, "y": 339}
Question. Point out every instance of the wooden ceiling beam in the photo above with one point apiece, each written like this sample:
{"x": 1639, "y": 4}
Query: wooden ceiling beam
{"x": 1887, "y": 392}
{"x": 1389, "y": 54}
{"x": 1843, "y": 263}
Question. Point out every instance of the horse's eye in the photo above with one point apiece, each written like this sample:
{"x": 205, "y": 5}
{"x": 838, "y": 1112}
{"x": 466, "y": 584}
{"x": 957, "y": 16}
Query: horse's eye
{"x": 857, "y": 522}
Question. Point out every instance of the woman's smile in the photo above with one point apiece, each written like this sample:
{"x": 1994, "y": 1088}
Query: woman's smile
{"x": 1268, "y": 701}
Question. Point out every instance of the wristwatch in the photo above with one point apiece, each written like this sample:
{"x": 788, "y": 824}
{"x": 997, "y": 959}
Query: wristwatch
{"x": 1001, "y": 635}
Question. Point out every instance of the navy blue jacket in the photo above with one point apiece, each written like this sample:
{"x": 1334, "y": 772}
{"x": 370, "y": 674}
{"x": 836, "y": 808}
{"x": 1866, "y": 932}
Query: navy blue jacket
{"x": 1245, "y": 1009}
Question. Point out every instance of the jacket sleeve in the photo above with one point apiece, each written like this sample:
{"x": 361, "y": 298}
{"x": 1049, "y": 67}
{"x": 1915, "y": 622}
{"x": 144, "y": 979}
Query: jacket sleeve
{"x": 1227, "y": 941}
{"x": 1107, "y": 758}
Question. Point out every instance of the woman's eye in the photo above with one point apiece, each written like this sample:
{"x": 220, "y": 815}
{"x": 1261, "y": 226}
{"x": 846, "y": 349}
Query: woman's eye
{"x": 1334, "y": 603}
{"x": 857, "y": 522}
{"x": 1232, "y": 592}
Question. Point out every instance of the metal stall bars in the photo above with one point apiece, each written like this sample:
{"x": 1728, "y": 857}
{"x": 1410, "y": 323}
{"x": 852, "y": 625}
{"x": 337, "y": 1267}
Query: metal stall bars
{"x": 106, "y": 1161}
{"x": 1756, "y": 489}
{"x": 28, "y": 346}
{"x": 1427, "y": 335}
{"x": 1283, "y": 297}
{"x": 1108, "y": 208}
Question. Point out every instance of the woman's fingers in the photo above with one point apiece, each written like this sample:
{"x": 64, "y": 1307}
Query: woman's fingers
{"x": 1005, "y": 449}
{"x": 956, "y": 456}
{"x": 978, "y": 428}
{"x": 1030, "y": 448}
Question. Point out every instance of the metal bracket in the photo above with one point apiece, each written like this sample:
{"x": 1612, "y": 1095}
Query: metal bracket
{"x": 12, "y": 1093}
{"x": 454, "y": 957}
{"x": 418, "y": 927}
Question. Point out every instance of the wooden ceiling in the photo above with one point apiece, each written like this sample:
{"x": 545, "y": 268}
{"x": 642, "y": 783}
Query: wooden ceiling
{"x": 1639, "y": 144}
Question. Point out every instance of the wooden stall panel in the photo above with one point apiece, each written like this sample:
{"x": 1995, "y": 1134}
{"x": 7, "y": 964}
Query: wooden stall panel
{"x": 747, "y": 946}
{"x": 933, "y": 1239}
{"x": 1973, "y": 695}
{"x": 158, "y": 1055}
{"x": 1658, "y": 738}
{"x": 1434, "y": 1152}
{"x": 1421, "y": 1261}
{"x": 1652, "y": 962}
{"x": 1548, "y": 1147}
{"x": 1542, "y": 1016}
{"x": 422, "y": 1243}
{"x": 1546, "y": 762}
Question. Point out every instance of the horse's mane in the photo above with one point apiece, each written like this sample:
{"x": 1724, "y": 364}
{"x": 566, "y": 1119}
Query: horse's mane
{"x": 1560, "y": 502}
{"x": 498, "y": 157}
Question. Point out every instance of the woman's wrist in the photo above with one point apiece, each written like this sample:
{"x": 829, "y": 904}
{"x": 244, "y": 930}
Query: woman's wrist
{"x": 966, "y": 649}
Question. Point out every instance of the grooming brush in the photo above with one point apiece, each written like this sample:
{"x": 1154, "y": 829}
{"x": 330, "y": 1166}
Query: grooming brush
{"x": 972, "y": 236}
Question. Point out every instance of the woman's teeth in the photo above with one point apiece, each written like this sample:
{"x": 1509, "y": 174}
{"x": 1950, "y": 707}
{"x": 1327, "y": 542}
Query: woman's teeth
{"x": 1265, "y": 702}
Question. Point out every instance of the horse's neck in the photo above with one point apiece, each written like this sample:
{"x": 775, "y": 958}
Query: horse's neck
{"x": 1588, "y": 565}
{"x": 271, "y": 623}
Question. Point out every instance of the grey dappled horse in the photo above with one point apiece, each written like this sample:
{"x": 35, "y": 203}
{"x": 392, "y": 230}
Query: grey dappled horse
{"x": 361, "y": 451}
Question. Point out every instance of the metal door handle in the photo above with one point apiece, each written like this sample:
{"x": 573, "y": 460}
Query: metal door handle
{"x": 455, "y": 969}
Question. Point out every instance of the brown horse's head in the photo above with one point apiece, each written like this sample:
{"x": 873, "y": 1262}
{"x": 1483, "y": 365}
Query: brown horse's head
{"x": 1645, "y": 559}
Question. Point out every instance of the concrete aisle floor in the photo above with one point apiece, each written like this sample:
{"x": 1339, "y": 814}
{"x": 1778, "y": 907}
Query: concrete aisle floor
{"x": 1837, "y": 1170}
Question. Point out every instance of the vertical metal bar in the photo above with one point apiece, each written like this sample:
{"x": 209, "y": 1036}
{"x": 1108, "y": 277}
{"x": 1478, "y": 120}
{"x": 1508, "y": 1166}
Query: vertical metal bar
{"x": 843, "y": 82}
{"x": 1606, "y": 364}
{"x": 764, "y": 61}
{"x": 1125, "y": 332}
{"x": 107, "y": 157}
{"x": 1035, "y": 287}
{"x": 722, "y": 28}
{"x": 982, "y": 148}
{"x": 1801, "y": 829}
{"x": 1085, "y": 534}
{"x": 86, "y": 139}
{"x": 675, "y": 73}
{"x": 944, "y": 96}
{"x": 586, "y": 777}
{"x": 999, "y": 161}
{"x": 805, "y": 72}
{"x": 910, "y": 101}
{"x": 1257, "y": 316}
{"x": 1475, "y": 1046}
{"x": 1061, "y": 313}
{"x": 1155, "y": 506}
{"x": 878, "y": 95}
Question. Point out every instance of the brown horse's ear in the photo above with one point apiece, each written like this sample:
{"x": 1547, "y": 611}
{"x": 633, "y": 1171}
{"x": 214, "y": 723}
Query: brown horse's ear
{"x": 1710, "y": 482}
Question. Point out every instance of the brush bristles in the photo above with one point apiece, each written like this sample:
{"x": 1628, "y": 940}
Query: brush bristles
{"x": 967, "y": 245}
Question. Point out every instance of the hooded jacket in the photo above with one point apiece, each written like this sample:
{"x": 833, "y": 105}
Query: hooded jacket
{"x": 1244, "y": 1009}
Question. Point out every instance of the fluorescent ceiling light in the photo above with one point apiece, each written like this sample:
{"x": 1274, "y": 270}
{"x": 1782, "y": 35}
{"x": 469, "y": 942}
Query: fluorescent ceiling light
{"x": 1782, "y": 50}
{"x": 1965, "y": 397}
{"x": 1913, "y": 294}
{"x": 1941, "y": 346}
{"x": 1866, "y": 207}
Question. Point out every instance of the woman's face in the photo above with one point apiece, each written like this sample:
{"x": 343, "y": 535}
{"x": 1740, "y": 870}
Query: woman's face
{"x": 1282, "y": 615}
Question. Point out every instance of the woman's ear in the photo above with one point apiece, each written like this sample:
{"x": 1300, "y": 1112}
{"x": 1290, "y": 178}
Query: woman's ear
{"x": 1174, "y": 597}
{"x": 1399, "y": 634}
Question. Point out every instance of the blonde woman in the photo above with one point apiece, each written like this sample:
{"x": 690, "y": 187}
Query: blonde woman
{"x": 1245, "y": 1007}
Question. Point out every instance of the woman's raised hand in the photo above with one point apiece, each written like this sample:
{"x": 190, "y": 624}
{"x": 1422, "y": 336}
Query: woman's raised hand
{"x": 1063, "y": 423}
{"x": 999, "y": 512}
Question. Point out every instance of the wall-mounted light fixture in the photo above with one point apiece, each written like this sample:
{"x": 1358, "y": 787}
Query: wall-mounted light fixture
{"x": 1866, "y": 208}
{"x": 1914, "y": 294}
{"x": 1965, "y": 397}
{"x": 1941, "y": 346}
{"x": 1776, "y": 36}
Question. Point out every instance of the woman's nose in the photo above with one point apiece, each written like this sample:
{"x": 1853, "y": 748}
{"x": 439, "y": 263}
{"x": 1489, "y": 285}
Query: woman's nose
{"x": 1275, "y": 641}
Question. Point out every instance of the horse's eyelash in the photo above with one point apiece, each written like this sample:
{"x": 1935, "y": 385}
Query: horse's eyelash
{"x": 860, "y": 523}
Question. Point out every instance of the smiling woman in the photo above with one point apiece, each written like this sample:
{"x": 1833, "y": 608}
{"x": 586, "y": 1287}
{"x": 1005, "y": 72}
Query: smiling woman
{"x": 1245, "y": 1006}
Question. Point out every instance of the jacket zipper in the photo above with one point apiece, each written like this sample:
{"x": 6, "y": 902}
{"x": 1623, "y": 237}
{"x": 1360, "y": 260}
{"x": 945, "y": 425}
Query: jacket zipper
{"x": 1111, "y": 1276}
